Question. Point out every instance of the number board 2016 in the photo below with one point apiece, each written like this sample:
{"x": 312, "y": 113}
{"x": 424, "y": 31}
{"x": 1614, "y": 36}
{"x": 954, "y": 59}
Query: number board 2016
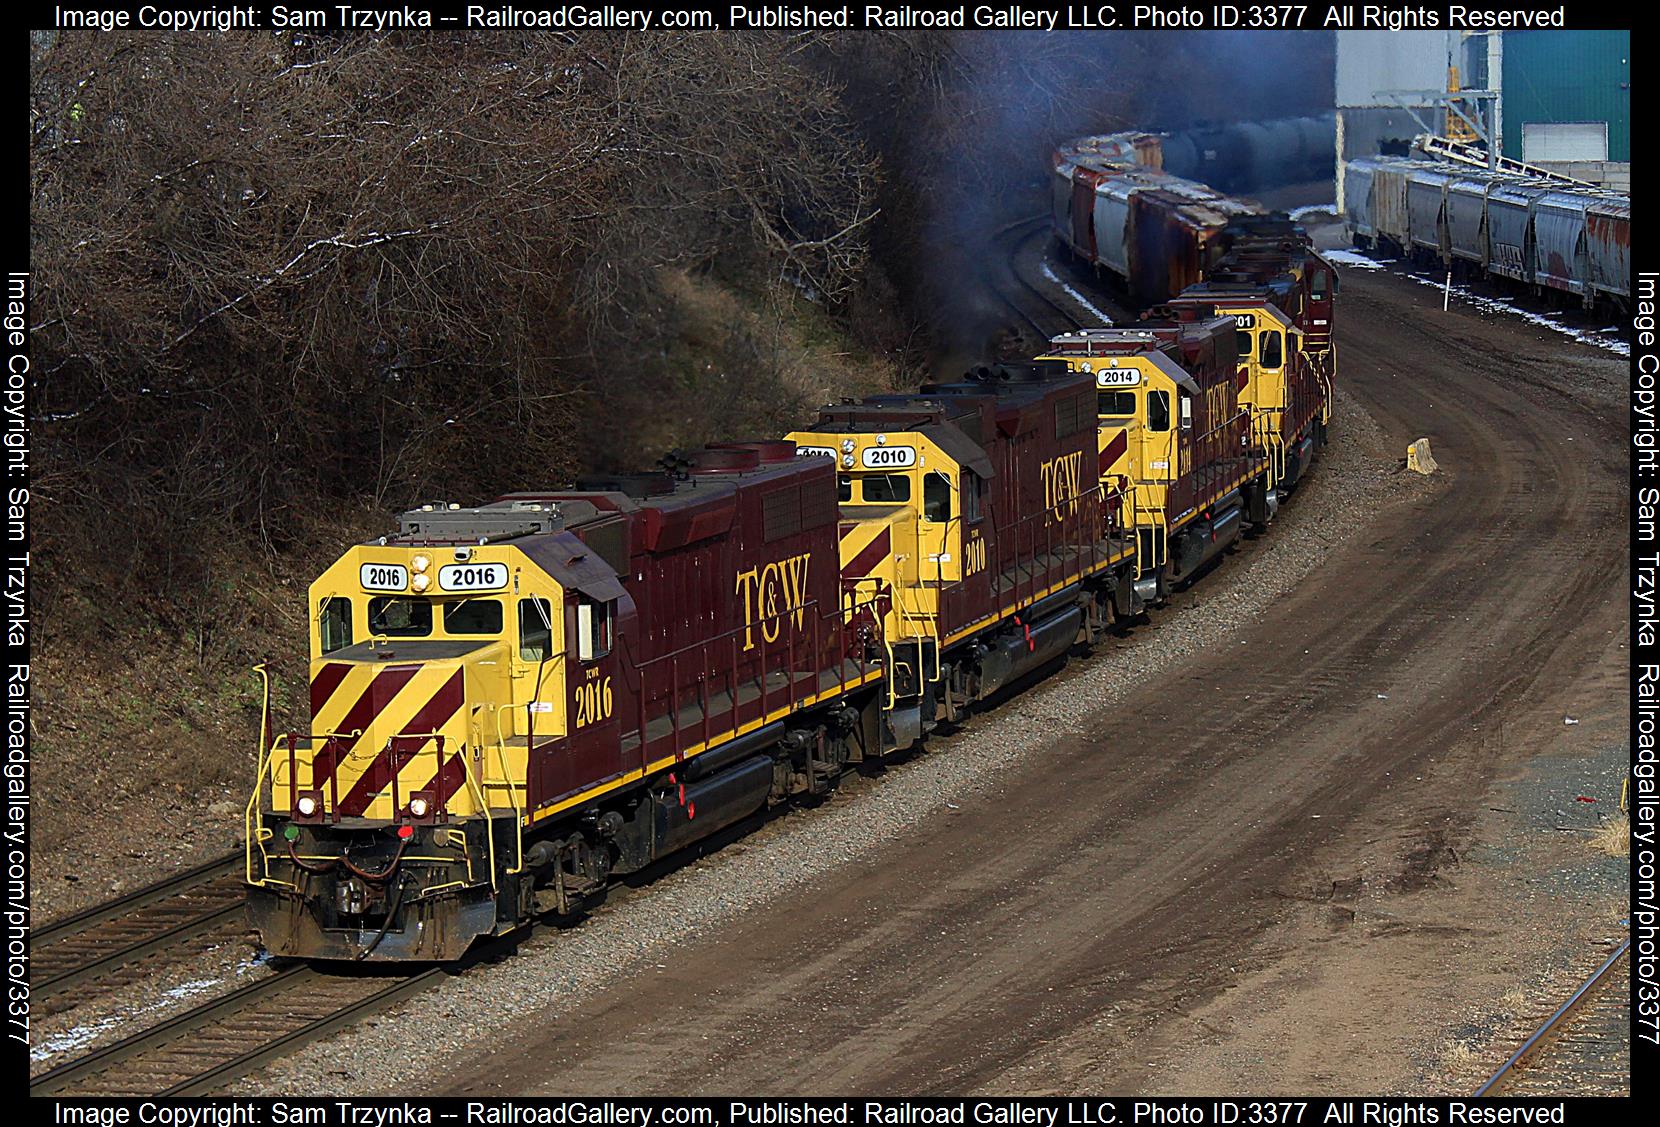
{"x": 383, "y": 577}
{"x": 472, "y": 577}
{"x": 889, "y": 457}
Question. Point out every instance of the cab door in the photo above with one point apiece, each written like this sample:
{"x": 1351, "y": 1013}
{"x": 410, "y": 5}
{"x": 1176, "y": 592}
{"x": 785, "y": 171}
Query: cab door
{"x": 1159, "y": 463}
{"x": 594, "y": 693}
{"x": 940, "y": 530}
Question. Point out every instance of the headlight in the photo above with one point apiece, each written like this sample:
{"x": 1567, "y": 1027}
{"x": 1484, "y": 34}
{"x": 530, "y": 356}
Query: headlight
{"x": 307, "y": 805}
{"x": 847, "y": 446}
{"x": 421, "y": 563}
{"x": 418, "y": 807}
{"x": 420, "y": 583}
{"x": 847, "y": 460}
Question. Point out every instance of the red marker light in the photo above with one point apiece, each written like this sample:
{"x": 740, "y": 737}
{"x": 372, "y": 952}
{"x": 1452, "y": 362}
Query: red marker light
{"x": 406, "y": 832}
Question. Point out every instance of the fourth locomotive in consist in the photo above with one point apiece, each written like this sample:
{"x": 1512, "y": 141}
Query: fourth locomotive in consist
{"x": 514, "y": 703}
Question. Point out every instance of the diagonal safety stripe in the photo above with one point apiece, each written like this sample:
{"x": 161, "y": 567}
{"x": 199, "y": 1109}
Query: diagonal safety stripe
{"x": 869, "y": 556}
{"x": 446, "y": 781}
{"x": 1115, "y": 450}
{"x": 432, "y": 715}
{"x": 325, "y": 682}
{"x": 381, "y": 690}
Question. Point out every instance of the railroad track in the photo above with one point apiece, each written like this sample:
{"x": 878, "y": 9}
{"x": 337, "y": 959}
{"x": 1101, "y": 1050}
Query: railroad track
{"x": 206, "y": 1047}
{"x": 1033, "y": 308}
{"x": 1575, "y": 1044}
{"x": 108, "y": 939}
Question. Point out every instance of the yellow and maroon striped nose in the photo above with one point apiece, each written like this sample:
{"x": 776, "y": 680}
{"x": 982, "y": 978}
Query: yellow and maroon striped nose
{"x": 864, "y": 545}
{"x": 376, "y": 716}
{"x": 1114, "y": 450}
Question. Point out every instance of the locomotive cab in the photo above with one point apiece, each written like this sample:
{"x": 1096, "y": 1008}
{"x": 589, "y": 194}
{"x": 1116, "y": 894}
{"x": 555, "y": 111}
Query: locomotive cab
{"x": 1171, "y": 438}
{"x": 910, "y": 505}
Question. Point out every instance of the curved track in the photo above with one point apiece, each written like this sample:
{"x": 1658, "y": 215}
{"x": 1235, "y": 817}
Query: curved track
{"x": 1047, "y": 938}
{"x": 1057, "y": 938}
{"x": 1037, "y": 313}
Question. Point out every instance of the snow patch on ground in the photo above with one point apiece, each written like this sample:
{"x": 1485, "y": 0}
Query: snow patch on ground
{"x": 73, "y": 1038}
{"x": 1302, "y": 213}
{"x": 191, "y": 989}
{"x": 1350, "y": 258}
{"x": 1596, "y": 338}
{"x": 90, "y": 1032}
{"x": 1049, "y": 273}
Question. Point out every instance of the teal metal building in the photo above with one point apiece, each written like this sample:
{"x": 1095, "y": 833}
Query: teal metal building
{"x": 1562, "y": 78}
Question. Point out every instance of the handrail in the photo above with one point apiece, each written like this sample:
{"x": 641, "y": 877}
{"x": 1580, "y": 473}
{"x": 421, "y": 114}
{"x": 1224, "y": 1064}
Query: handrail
{"x": 249, "y": 834}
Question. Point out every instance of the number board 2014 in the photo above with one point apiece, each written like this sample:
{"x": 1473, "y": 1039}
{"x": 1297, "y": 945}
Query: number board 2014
{"x": 472, "y": 577}
{"x": 889, "y": 457}
{"x": 383, "y": 577}
{"x": 1117, "y": 377}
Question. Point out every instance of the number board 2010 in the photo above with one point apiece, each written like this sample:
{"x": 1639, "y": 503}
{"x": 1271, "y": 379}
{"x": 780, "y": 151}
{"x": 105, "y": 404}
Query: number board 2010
{"x": 472, "y": 577}
{"x": 888, "y": 457}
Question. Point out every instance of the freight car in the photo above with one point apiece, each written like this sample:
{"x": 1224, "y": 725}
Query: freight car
{"x": 1157, "y": 234}
{"x": 1238, "y": 156}
{"x": 1154, "y": 233}
{"x": 1546, "y": 235}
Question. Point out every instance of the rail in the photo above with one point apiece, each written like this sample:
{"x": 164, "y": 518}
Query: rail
{"x": 206, "y": 1046}
{"x": 96, "y": 942}
{"x": 1538, "y": 1036}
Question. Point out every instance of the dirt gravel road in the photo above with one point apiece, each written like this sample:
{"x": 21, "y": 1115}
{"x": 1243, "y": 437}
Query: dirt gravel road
{"x": 1060, "y": 932}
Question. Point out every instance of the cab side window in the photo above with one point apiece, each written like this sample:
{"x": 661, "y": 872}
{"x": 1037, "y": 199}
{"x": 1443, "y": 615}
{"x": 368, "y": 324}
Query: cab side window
{"x": 1317, "y": 285}
{"x": 593, "y": 629}
{"x": 1158, "y": 410}
{"x": 969, "y": 488}
{"x": 334, "y": 624}
{"x": 1271, "y": 355}
{"x": 886, "y": 488}
{"x": 936, "y": 498}
{"x": 1242, "y": 344}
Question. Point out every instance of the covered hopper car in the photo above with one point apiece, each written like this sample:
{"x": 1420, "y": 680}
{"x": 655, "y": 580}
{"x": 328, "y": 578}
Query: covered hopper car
{"x": 1546, "y": 235}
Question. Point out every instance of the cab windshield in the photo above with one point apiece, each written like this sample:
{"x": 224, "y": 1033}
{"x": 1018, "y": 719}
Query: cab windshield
{"x": 883, "y": 488}
{"x": 399, "y": 616}
{"x": 1115, "y": 404}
